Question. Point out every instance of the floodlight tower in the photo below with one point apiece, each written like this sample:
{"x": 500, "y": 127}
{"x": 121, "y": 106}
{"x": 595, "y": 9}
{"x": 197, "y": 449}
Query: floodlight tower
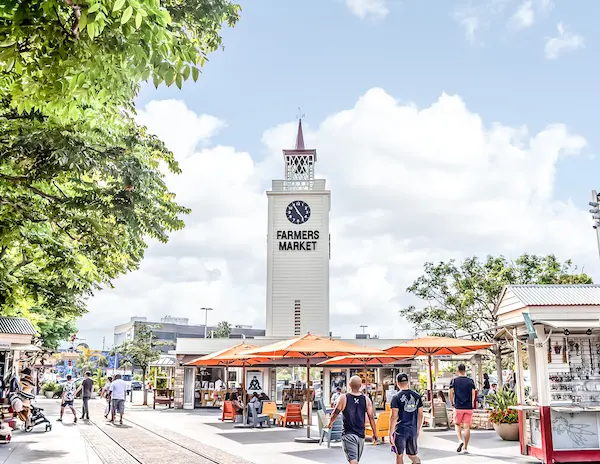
{"x": 595, "y": 204}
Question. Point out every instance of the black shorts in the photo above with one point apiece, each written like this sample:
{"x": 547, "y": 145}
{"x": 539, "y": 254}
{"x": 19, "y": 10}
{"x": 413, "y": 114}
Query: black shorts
{"x": 406, "y": 444}
{"x": 67, "y": 403}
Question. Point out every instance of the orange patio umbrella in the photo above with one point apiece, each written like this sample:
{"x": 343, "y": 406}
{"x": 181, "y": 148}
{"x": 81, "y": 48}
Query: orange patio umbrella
{"x": 436, "y": 346}
{"x": 311, "y": 346}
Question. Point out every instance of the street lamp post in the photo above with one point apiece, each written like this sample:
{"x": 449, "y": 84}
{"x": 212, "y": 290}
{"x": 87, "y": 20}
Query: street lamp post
{"x": 363, "y": 327}
{"x": 206, "y": 310}
{"x": 595, "y": 204}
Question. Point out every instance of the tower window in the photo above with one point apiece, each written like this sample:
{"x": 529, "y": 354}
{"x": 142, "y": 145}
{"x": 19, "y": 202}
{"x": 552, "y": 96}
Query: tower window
{"x": 297, "y": 324}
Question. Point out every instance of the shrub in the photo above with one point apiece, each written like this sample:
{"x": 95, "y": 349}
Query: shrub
{"x": 48, "y": 386}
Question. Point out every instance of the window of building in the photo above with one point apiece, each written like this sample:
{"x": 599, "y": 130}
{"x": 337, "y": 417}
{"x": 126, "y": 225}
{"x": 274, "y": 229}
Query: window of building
{"x": 297, "y": 324}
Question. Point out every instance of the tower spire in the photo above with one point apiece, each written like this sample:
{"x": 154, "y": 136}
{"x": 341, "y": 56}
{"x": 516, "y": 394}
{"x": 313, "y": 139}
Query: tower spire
{"x": 300, "y": 135}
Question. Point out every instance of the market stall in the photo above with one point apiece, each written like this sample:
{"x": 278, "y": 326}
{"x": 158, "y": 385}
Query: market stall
{"x": 559, "y": 419}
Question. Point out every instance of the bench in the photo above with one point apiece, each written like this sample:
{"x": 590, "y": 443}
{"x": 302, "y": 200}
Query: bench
{"x": 164, "y": 396}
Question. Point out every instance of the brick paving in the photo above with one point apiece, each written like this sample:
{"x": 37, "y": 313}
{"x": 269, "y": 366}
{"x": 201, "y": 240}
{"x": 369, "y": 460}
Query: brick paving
{"x": 200, "y": 431}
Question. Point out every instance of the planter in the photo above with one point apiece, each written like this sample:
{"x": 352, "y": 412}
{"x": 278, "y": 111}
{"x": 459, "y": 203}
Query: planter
{"x": 508, "y": 432}
{"x": 49, "y": 394}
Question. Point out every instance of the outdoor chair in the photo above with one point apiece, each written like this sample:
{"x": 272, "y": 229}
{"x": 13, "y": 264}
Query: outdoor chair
{"x": 293, "y": 415}
{"x": 441, "y": 415}
{"x": 333, "y": 434}
{"x": 256, "y": 419}
{"x": 228, "y": 412}
{"x": 269, "y": 408}
{"x": 383, "y": 426}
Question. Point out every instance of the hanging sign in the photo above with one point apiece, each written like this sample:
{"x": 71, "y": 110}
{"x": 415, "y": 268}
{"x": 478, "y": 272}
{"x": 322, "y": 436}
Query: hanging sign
{"x": 529, "y": 325}
{"x": 4, "y": 345}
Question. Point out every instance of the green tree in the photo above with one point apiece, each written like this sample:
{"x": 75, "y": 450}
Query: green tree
{"x": 141, "y": 351}
{"x": 90, "y": 360}
{"x": 223, "y": 330}
{"x": 462, "y": 298}
{"x": 84, "y": 60}
{"x": 81, "y": 185}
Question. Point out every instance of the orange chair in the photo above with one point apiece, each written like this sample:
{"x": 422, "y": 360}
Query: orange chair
{"x": 383, "y": 426}
{"x": 293, "y": 415}
{"x": 228, "y": 411}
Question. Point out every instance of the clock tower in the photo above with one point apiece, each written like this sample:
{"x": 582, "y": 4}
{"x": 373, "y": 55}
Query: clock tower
{"x": 298, "y": 248}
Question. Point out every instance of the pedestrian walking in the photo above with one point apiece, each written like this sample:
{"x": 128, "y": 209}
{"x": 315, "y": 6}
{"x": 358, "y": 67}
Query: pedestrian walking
{"x": 462, "y": 397}
{"x": 354, "y": 406}
{"x": 406, "y": 421}
{"x": 67, "y": 398}
{"x": 106, "y": 395}
{"x": 118, "y": 390}
{"x": 86, "y": 387}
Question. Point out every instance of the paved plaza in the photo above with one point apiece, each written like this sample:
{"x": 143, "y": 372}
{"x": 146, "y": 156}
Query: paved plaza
{"x": 154, "y": 436}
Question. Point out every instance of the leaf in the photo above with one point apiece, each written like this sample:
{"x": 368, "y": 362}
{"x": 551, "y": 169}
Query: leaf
{"x": 186, "y": 73}
{"x": 138, "y": 19}
{"x": 81, "y": 79}
{"x": 156, "y": 79}
{"x": 179, "y": 81}
{"x": 83, "y": 21}
{"x": 118, "y": 5}
{"x": 195, "y": 73}
{"x": 170, "y": 77}
{"x": 95, "y": 7}
{"x": 127, "y": 14}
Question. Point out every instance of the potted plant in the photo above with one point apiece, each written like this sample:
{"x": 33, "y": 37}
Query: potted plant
{"x": 504, "y": 419}
{"x": 58, "y": 391}
{"x": 48, "y": 389}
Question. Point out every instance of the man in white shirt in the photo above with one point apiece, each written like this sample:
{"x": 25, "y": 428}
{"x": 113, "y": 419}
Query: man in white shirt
{"x": 68, "y": 396}
{"x": 117, "y": 390}
{"x": 219, "y": 385}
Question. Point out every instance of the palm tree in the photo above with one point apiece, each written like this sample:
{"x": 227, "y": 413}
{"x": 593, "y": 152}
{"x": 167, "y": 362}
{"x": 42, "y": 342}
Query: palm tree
{"x": 90, "y": 360}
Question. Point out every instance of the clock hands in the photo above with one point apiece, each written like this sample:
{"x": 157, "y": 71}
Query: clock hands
{"x": 298, "y": 211}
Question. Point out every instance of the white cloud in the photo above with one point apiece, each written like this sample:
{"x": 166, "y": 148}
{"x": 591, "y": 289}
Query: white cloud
{"x": 524, "y": 16}
{"x": 564, "y": 42}
{"x": 409, "y": 185}
{"x": 475, "y": 17}
{"x": 375, "y": 9}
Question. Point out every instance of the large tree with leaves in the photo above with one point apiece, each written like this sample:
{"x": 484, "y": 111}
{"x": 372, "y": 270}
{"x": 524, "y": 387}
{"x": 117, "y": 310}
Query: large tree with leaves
{"x": 81, "y": 185}
{"x": 461, "y": 298}
{"x": 141, "y": 351}
{"x": 223, "y": 330}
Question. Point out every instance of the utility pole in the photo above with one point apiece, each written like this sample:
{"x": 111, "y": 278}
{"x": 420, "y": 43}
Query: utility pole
{"x": 206, "y": 310}
{"x": 595, "y": 204}
{"x": 103, "y": 343}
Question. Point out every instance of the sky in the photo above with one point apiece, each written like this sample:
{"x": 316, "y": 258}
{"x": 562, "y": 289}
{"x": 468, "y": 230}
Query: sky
{"x": 444, "y": 130}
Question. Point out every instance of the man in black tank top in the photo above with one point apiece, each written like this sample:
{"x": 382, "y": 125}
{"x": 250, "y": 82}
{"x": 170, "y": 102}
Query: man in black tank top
{"x": 354, "y": 406}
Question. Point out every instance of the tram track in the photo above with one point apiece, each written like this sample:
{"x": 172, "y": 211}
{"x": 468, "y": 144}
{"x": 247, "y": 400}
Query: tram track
{"x": 147, "y": 446}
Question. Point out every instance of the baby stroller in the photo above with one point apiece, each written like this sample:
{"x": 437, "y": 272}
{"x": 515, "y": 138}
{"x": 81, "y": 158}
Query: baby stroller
{"x": 36, "y": 417}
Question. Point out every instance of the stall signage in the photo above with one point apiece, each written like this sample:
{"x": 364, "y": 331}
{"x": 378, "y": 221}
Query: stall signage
{"x": 529, "y": 325}
{"x": 4, "y": 345}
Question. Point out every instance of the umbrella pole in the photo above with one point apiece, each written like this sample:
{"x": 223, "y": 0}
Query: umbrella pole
{"x": 432, "y": 424}
{"x": 245, "y": 413}
{"x": 226, "y": 380}
{"x": 309, "y": 402}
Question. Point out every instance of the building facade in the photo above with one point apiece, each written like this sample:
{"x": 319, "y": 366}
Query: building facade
{"x": 298, "y": 247}
{"x": 169, "y": 329}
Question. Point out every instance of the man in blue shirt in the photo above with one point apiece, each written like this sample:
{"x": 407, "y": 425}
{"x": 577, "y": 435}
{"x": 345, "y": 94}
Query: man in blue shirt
{"x": 462, "y": 397}
{"x": 406, "y": 421}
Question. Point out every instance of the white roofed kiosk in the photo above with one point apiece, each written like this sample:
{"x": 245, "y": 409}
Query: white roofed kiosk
{"x": 559, "y": 420}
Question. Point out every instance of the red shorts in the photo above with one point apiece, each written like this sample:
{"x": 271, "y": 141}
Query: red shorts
{"x": 463, "y": 416}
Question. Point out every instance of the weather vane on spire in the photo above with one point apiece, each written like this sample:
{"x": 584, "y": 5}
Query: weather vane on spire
{"x": 300, "y": 114}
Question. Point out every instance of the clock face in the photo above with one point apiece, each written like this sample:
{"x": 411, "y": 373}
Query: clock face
{"x": 297, "y": 212}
